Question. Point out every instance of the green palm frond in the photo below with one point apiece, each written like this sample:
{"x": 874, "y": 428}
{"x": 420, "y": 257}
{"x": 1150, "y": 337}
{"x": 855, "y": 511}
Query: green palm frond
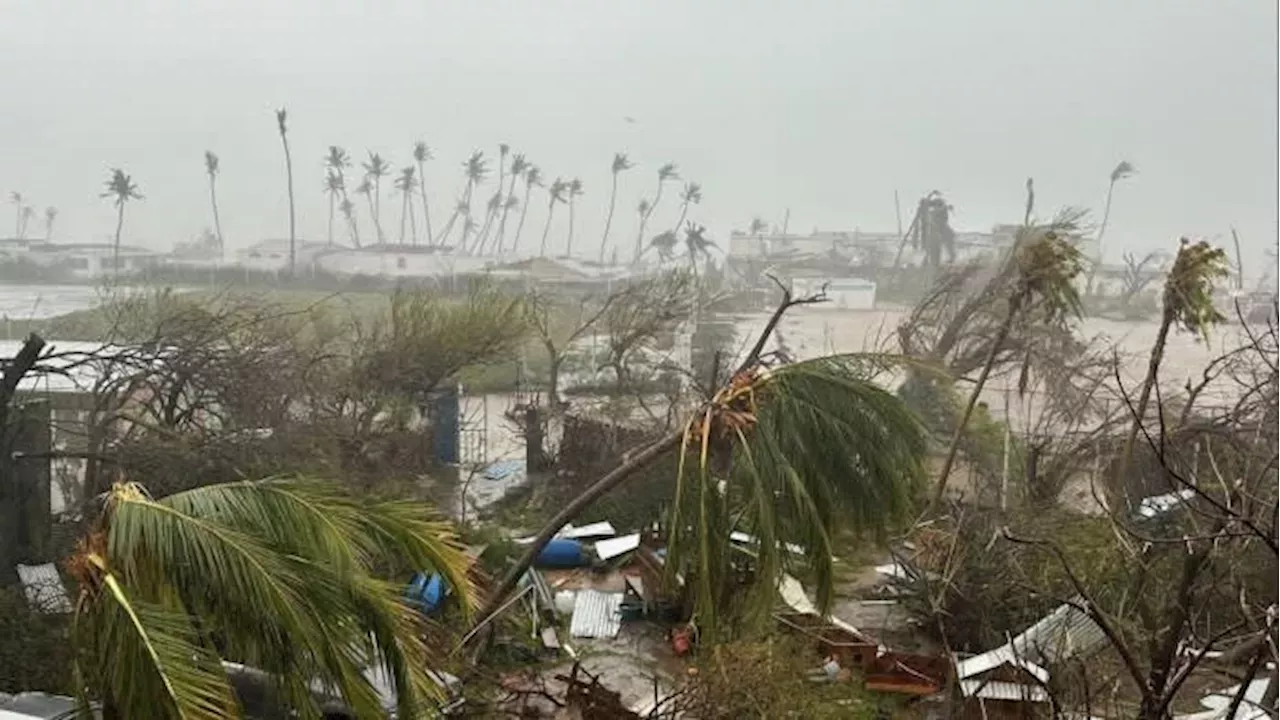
{"x": 155, "y": 658}
{"x": 278, "y": 574}
{"x": 802, "y": 450}
{"x": 1189, "y": 288}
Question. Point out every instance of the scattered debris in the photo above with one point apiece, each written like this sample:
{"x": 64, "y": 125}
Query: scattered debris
{"x": 44, "y": 589}
{"x": 609, "y": 549}
{"x": 596, "y": 614}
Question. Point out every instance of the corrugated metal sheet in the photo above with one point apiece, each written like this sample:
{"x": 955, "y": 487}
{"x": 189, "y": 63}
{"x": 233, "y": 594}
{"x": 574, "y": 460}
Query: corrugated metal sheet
{"x": 596, "y": 614}
{"x": 994, "y": 690}
{"x": 1061, "y": 635}
{"x": 44, "y": 589}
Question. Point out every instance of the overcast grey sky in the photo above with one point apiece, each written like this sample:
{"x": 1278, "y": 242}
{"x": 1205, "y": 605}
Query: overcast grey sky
{"x": 824, "y": 107}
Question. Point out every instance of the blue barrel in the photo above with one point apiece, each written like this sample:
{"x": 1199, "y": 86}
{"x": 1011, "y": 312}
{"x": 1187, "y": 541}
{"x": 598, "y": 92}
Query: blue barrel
{"x": 562, "y": 552}
{"x": 427, "y": 593}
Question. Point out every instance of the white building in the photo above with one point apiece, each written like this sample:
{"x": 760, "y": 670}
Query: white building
{"x": 92, "y": 260}
{"x": 273, "y": 255}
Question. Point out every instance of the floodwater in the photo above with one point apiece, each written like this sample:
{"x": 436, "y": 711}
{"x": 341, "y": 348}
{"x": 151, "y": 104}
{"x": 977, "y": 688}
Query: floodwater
{"x": 37, "y": 302}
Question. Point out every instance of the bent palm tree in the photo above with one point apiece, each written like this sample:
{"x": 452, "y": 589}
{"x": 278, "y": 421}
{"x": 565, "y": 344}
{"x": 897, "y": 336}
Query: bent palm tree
{"x": 575, "y": 190}
{"x": 518, "y": 168}
{"x": 696, "y": 242}
{"x": 421, "y": 154}
{"x": 643, "y": 209}
{"x": 335, "y": 187}
{"x": 665, "y": 243}
{"x": 15, "y": 198}
{"x": 50, "y": 215}
{"x": 406, "y": 183}
{"x": 532, "y": 179}
{"x": 1188, "y": 303}
{"x": 747, "y": 461}
{"x": 348, "y": 210}
{"x": 669, "y": 171}
{"x": 1045, "y": 264}
{"x": 555, "y": 195}
{"x": 1121, "y": 171}
{"x": 476, "y": 169}
{"x": 282, "y": 117}
{"x": 620, "y": 164}
{"x": 375, "y": 169}
{"x": 211, "y": 168}
{"x": 121, "y": 189}
{"x": 691, "y": 194}
{"x": 276, "y": 574}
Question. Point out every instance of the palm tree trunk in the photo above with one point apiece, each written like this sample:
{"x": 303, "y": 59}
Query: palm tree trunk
{"x": 375, "y": 207}
{"x": 608, "y": 219}
{"x": 684, "y": 210}
{"x": 293, "y": 234}
{"x": 1144, "y": 397}
{"x": 404, "y": 206}
{"x": 426, "y": 212}
{"x": 217, "y": 219}
{"x": 502, "y": 224}
{"x": 115, "y": 251}
{"x": 644, "y": 219}
{"x": 568, "y": 248}
{"x": 332, "y": 199}
{"x": 413, "y": 222}
{"x": 542, "y": 248}
{"x": 369, "y": 198}
{"x": 482, "y": 238}
{"x": 1102, "y": 228}
{"x": 1001, "y": 335}
{"x": 524, "y": 212}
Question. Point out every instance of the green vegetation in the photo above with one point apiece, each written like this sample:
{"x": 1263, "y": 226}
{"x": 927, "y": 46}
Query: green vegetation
{"x": 281, "y": 575}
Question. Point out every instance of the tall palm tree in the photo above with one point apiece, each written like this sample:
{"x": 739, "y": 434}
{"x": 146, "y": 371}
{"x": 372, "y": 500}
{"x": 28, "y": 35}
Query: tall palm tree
{"x": 407, "y": 184}
{"x": 620, "y": 164}
{"x": 211, "y": 168}
{"x": 643, "y": 209}
{"x": 348, "y": 210}
{"x": 697, "y": 244}
{"x": 491, "y": 210}
{"x": 666, "y": 172}
{"x": 335, "y": 187}
{"x": 518, "y": 168}
{"x": 476, "y": 169}
{"x": 122, "y": 190}
{"x": 50, "y": 214}
{"x": 279, "y": 574}
{"x": 16, "y": 199}
{"x": 1122, "y": 170}
{"x": 691, "y": 194}
{"x": 532, "y": 179}
{"x": 281, "y": 124}
{"x": 746, "y": 461}
{"x": 1045, "y": 265}
{"x": 28, "y": 214}
{"x": 575, "y": 190}
{"x": 1188, "y": 304}
{"x": 421, "y": 154}
{"x": 555, "y": 195}
{"x": 376, "y": 168}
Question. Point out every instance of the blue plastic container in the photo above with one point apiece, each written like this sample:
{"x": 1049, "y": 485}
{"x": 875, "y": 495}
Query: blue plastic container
{"x": 562, "y": 552}
{"x": 428, "y": 593}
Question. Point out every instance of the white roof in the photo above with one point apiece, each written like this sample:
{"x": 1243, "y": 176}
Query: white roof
{"x": 997, "y": 690}
{"x": 1003, "y": 655}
